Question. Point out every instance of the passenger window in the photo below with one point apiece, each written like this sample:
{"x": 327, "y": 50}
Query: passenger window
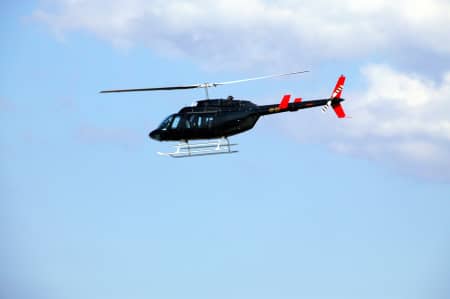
{"x": 209, "y": 121}
{"x": 199, "y": 121}
{"x": 192, "y": 121}
{"x": 175, "y": 122}
{"x": 187, "y": 123}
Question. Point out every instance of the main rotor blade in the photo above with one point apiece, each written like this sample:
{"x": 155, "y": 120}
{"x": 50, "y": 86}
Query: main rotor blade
{"x": 259, "y": 78}
{"x": 153, "y": 88}
{"x": 203, "y": 85}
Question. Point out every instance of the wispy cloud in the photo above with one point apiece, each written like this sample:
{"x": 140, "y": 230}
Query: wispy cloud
{"x": 230, "y": 33}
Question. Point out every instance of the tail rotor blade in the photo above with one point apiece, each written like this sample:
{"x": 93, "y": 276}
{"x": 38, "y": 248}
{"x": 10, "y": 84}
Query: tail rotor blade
{"x": 202, "y": 85}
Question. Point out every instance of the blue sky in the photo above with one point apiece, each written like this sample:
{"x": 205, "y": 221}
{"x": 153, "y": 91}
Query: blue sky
{"x": 311, "y": 206}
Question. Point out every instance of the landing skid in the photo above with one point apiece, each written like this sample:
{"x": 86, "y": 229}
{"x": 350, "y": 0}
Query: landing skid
{"x": 185, "y": 149}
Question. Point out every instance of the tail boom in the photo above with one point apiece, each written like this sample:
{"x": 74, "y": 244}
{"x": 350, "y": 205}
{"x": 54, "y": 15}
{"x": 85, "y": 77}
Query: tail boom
{"x": 295, "y": 106}
{"x": 334, "y": 101}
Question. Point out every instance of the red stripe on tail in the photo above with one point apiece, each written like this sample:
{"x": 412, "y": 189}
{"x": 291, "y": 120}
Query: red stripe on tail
{"x": 297, "y": 100}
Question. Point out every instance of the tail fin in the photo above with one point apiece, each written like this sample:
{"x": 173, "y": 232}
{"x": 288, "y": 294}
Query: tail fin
{"x": 336, "y": 95}
{"x": 337, "y": 91}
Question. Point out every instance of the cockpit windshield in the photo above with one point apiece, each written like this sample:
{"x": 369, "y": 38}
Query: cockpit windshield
{"x": 165, "y": 123}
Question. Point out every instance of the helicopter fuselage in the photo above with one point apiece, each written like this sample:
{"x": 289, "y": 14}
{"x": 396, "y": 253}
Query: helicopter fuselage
{"x": 216, "y": 118}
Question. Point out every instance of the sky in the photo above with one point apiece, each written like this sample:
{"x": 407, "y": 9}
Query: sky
{"x": 311, "y": 207}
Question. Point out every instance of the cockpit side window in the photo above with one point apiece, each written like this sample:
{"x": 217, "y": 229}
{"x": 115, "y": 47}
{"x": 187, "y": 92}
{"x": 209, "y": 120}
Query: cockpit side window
{"x": 175, "y": 122}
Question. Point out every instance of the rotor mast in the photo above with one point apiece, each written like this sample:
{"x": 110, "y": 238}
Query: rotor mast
{"x": 206, "y": 91}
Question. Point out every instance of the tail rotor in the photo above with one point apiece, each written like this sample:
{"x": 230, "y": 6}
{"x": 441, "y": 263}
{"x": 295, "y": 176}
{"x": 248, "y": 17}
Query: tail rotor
{"x": 335, "y": 99}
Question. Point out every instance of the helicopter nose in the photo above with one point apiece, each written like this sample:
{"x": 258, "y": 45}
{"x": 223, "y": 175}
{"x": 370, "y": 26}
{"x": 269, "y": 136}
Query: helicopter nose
{"x": 155, "y": 134}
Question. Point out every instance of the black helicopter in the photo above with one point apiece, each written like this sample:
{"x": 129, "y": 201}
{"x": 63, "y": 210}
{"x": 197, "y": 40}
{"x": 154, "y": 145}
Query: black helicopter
{"x": 221, "y": 118}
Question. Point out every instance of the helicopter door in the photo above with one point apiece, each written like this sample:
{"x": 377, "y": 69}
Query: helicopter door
{"x": 185, "y": 124}
{"x": 200, "y": 124}
{"x": 174, "y": 128}
{"x": 207, "y": 126}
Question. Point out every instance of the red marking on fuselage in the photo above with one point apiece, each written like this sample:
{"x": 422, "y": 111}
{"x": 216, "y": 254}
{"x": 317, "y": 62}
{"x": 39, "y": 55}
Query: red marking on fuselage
{"x": 284, "y": 101}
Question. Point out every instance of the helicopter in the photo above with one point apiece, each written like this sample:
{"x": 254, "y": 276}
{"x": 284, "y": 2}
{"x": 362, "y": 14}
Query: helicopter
{"x": 221, "y": 118}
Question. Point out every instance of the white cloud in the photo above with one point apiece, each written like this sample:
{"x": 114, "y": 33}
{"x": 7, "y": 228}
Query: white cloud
{"x": 400, "y": 118}
{"x": 231, "y": 33}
